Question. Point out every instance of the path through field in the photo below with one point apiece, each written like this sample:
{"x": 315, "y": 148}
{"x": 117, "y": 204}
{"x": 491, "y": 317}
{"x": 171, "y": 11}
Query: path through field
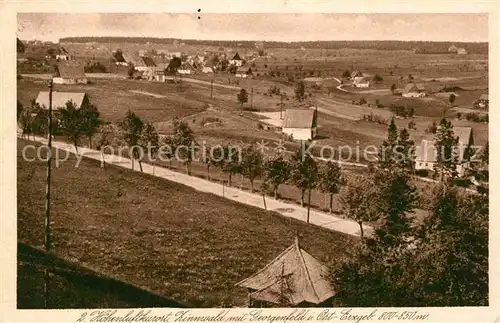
{"x": 321, "y": 219}
{"x": 186, "y": 79}
{"x": 148, "y": 93}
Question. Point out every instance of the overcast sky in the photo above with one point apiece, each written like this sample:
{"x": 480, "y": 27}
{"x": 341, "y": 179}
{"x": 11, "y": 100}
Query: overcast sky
{"x": 278, "y": 27}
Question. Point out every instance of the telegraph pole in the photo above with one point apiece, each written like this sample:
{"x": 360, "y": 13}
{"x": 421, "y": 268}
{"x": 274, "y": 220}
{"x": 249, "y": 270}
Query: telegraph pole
{"x": 211, "y": 88}
{"x": 49, "y": 173}
{"x": 281, "y": 107}
{"x": 251, "y": 98}
{"x": 48, "y": 242}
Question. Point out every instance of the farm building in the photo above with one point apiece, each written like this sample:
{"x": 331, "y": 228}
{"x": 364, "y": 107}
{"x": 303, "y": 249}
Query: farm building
{"x": 236, "y": 60}
{"x": 361, "y": 81}
{"x": 59, "y": 99}
{"x": 301, "y": 124}
{"x": 186, "y": 69}
{"x": 294, "y": 278}
{"x": 207, "y": 69}
{"x": 62, "y": 54}
{"x": 483, "y": 101}
{"x": 69, "y": 73}
{"x": 142, "y": 64}
{"x": 412, "y": 90}
{"x": 426, "y": 153}
{"x": 244, "y": 71}
{"x": 461, "y": 51}
{"x": 155, "y": 74}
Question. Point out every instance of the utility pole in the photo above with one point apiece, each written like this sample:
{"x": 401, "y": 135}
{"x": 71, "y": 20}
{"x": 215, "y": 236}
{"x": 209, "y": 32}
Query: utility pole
{"x": 281, "y": 107}
{"x": 49, "y": 173}
{"x": 48, "y": 241}
{"x": 211, "y": 88}
{"x": 251, "y": 98}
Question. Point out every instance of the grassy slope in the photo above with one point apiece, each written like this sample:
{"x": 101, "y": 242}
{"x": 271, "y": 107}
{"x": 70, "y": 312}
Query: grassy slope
{"x": 162, "y": 236}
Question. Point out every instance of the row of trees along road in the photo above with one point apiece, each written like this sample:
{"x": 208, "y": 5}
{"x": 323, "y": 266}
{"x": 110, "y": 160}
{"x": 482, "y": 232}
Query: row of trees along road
{"x": 441, "y": 260}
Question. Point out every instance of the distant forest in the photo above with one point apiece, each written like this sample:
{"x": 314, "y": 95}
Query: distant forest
{"x": 427, "y": 47}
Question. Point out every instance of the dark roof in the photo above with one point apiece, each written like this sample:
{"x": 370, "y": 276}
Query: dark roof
{"x": 69, "y": 70}
{"x": 294, "y": 275}
{"x": 237, "y": 57}
{"x": 148, "y": 61}
{"x": 299, "y": 118}
{"x": 412, "y": 87}
{"x": 59, "y": 99}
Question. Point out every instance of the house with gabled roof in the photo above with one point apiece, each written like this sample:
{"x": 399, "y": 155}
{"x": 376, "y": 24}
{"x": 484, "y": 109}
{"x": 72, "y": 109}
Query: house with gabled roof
{"x": 62, "y": 54}
{"x": 243, "y": 71}
{"x": 186, "y": 69}
{"x": 461, "y": 51}
{"x": 412, "y": 90}
{"x": 300, "y": 123}
{"x": 59, "y": 99}
{"x": 69, "y": 73}
{"x": 293, "y": 279}
{"x": 426, "y": 152}
{"x": 236, "y": 60}
{"x": 361, "y": 81}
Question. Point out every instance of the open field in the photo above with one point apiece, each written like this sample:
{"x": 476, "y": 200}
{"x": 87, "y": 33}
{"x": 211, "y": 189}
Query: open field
{"x": 182, "y": 244}
{"x": 223, "y": 119}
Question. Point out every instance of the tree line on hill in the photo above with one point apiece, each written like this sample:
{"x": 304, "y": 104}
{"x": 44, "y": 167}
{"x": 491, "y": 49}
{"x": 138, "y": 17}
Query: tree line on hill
{"x": 442, "y": 261}
{"x": 429, "y": 47}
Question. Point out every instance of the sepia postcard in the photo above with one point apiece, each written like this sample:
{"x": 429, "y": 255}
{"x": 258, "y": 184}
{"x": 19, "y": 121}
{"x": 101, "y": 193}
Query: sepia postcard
{"x": 249, "y": 161}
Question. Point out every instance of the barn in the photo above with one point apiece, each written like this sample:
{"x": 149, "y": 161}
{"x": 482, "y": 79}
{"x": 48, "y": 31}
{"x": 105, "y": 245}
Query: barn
{"x": 59, "y": 99}
{"x": 69, "y": 73}
{"x": 300, "y": 123}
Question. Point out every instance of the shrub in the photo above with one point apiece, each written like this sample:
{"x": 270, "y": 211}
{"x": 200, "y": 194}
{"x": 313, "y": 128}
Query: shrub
{"x": 432, "y": 128}
{"x": 475, "y": 117}
{"x": 462, "y": 182}
{"x": 362, "y": 101}
{"x": 422, "y": 172}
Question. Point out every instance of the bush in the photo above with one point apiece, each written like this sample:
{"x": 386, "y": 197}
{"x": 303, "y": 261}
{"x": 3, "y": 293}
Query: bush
{"x": 432, "y": 128}
{"x": 482, "y": 190}
{"x": 377, "y": 78}
{"x": 374, "y": 118}
{"x": 422, "y": 172}
{"x": 462, "y": 182}
{"x": 362, "y": 101}
{"x": 401, "y": 111}
{"x": 475, "y": 117}
{"x": 412, "y": 125}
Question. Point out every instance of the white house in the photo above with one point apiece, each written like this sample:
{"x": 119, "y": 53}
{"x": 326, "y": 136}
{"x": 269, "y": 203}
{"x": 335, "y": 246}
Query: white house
{"x": 186, "y": 69}
{"x": 426, "y": 153}
{"x": 207, "y": 69}
{"x": 236, "y": 60}
{"x": 361, "y": 81}
{"x": 461, "y": 51}
{"x": 412, "y": 90}
{"x": 243, "y": 71}
{"x": 301, "y": 124}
